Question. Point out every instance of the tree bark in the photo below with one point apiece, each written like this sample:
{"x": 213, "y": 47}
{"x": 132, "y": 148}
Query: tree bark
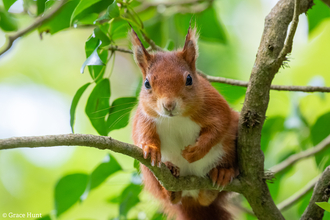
{"x": 321, "y": 194}
{"x": 269, "y": 60}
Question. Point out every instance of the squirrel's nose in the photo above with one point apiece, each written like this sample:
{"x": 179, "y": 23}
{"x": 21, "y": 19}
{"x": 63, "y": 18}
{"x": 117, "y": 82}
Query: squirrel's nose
{"x": 169, "y": 105}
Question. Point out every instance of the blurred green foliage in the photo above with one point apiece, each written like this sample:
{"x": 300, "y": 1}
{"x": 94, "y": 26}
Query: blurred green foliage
{"x": 294, "y": 122}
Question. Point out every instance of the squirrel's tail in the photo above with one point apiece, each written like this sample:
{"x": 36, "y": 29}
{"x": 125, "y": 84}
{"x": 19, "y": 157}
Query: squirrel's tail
{"x": 189, "y": 208}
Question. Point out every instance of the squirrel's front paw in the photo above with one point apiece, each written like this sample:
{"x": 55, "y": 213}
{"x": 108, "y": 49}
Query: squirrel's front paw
{"x": 154, "y": 152}
{"x": 192, "y": 153}
{"x": 222, "y": 176}
{"x": 174, "y": 169}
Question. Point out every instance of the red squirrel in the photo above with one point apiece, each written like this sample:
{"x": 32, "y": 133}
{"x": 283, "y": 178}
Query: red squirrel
{"x": 183, "y": 122}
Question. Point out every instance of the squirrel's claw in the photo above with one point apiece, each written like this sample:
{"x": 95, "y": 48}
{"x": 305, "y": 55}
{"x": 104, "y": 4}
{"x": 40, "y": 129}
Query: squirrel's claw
{"x": 154, "y": 152}
{"x": 222, "y": 176}
{"x": 174, "y": 169}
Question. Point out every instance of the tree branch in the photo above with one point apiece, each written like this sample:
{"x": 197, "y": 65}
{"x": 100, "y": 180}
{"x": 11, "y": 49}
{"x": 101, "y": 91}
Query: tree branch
{"x": 272, "y": 87}
{"x": 298, "y": 195}
{"x": 107, "y": 143}
{"x": 321, "y": 194}
{"x": 267, "y": 64}
{"x": 235, "y": 82}
{"x": 10, "y": 39}
{"x": 325, "y": 143}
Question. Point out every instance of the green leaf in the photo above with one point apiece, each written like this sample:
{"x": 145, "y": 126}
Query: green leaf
{"x": 271, "y": 127}
{"x": 231, "y": 93}
{"x": 319, "y": 131}
{"x": 61, "y": 20}
{"x": 92, "y": 44}
{"x": 7, "y": 21}
{"x": 210, "y": 27}
{"x": 92, "y": 60}
{"x": 8, "y": 3}
{"x": 317, "y": 14}
{"x": 120, "y": 112}
{"x": 169, "y": 45}
{"x": 112, "y": 12}
{"x": 158, "y": 216}
{"x": 118, "y": 29}
{"x": 97, "y": 106}
{"x": 74, "y": 104}
{"x": 83, "y": 4}
{"x": 89, "y": 19}
{"x": 303, "y": 202}
{"x": 115, "y": 200}
{"x": 103, "y": 171}
{"x": 47, "y": 217}
{"x": 324, "y": 205}
{"x": 207, "y": 22}
{"x": 96, "y": 8}
{"x": 41, "y": 6}
{"x": 137, "y": 166}
{"x": 129, "y": 198}
{"x": 276, "y": 186}
{"x": 68, "y": 191}
{"x": 155, "y": 28}
{"x": 102, "y": 36}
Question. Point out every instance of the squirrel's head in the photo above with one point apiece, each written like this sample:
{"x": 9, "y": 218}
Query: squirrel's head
{"x": 170, "y": 81}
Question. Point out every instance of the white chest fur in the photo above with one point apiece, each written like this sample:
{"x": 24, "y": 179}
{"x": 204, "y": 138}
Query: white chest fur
{"x": 175, "y": 134}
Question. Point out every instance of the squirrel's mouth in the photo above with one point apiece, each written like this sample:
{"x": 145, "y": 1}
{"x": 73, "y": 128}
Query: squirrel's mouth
{"x": 167, "y": 114}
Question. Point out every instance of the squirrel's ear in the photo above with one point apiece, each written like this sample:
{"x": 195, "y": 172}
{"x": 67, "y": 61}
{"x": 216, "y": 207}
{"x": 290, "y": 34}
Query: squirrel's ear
{"x": 141, "y": 55}
{"x": 190, "y": 49}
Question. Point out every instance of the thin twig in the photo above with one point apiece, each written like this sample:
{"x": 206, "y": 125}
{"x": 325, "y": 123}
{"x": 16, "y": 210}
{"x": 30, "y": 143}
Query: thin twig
{"x": 235, "y": 82}
{"x": 107, "y": 143}
{"x": 289, "y": 40}
{"x": 168, "y": 4}
{"x": 325, "y": 143}
{"x": 11, "y": 38}
{"x": 272, "y": 87}
{"x": 116, "y": 48}
{"x": 298, "y": 195}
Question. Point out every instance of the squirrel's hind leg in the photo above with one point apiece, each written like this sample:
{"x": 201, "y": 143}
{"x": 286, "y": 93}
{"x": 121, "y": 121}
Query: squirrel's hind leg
{"x": 206, "y": 197}
{"x": 175, "y": 197}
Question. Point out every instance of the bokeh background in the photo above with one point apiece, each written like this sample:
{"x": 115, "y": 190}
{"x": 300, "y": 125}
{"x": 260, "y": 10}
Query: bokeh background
{"x": 39, "y": 77}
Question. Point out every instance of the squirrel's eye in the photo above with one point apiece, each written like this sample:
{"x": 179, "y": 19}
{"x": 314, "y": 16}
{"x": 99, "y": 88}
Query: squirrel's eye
{"x": 189, "y": 80}
{"x": 147, "y": 84}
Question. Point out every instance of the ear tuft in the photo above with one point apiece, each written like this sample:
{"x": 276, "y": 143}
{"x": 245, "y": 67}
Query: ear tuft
{"x": 190, "y": 49}
{"x": 141, "y": 55}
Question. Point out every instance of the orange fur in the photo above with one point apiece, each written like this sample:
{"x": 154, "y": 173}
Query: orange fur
{"x": 170, "y": 96}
